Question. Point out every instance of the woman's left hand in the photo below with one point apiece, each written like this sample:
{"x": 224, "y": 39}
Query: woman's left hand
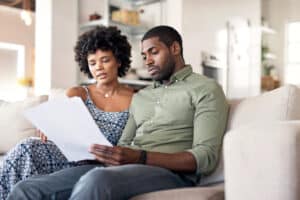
{"x": 115, "y": 155}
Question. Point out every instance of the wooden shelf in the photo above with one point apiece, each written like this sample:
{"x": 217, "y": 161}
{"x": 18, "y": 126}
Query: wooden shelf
{"x": 131, "y": 82}
{"x": 135, "y": 82}
{"x": 134, "y": 3}
{"x": 129, "y": 29}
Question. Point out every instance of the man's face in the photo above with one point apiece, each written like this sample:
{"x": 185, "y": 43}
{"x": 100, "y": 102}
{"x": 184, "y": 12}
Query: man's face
{"x": 158, "y": 59}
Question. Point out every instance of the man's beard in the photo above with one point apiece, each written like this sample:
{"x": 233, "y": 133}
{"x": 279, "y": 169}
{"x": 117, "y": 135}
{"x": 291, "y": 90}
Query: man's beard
{"x": 167, "y": 71}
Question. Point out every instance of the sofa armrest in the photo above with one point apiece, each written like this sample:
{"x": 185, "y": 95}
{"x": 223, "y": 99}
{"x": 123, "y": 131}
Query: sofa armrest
{"x": 262, "y": 161}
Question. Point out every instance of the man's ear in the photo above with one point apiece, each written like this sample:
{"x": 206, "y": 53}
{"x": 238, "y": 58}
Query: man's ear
{"x": 175, "y": 48}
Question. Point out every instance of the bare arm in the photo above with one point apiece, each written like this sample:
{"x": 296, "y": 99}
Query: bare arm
{"x": 76, "y": 92}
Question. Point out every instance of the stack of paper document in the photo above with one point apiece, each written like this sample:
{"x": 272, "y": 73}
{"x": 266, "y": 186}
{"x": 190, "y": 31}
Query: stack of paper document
{"x": 68, "y": 123}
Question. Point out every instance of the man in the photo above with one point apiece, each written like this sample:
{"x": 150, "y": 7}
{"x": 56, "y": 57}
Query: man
{"x": 173, "y": 135}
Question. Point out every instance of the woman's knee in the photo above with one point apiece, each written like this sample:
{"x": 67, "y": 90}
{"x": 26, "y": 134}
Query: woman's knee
{"x": 23, "y": 190}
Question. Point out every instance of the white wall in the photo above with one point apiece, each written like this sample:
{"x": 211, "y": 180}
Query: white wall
{"x": 56, "y": 35}
{"x": 204, "y": 29}
{"x": 14, "y": 30}
{"x": 278, "y": 13}
{"x": 204, "y": 20}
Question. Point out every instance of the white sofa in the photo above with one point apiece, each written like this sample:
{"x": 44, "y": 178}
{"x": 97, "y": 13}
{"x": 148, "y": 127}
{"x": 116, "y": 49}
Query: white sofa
{"x": 260, "y": 152}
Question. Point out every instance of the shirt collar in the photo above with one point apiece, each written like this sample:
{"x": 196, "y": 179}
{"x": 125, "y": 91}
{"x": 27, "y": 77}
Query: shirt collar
{"x": 178, "y": 76}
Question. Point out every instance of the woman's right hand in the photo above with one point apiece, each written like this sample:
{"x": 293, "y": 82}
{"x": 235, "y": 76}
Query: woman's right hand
{"x": 42, "y": 136}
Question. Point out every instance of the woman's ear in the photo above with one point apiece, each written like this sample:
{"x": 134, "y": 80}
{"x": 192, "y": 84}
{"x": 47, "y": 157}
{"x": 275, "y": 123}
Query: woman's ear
{"x": 176, "y": 49}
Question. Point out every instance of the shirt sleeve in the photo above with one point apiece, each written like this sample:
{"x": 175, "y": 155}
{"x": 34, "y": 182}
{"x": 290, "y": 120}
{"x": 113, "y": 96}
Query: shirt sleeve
{"x": 128, "y": 132}
{"x": 211, "y": 110}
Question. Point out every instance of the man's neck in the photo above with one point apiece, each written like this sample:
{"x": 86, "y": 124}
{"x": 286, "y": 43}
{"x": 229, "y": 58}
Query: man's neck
{"x": 179, "y": 65}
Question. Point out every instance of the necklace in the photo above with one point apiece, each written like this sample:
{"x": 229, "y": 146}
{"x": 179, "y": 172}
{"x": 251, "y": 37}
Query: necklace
{"x": 110, "y": 93}
{"x": 106, "y": 95}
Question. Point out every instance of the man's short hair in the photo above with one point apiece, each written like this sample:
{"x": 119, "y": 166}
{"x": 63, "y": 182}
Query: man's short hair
{"x": 165, "y": 34}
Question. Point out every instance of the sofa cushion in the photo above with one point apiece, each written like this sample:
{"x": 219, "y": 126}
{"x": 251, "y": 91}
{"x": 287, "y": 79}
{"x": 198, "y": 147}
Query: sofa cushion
{"x": 14, "y": 127}
{"x": 200, "y": 193}
{"x": 277, "y": 105}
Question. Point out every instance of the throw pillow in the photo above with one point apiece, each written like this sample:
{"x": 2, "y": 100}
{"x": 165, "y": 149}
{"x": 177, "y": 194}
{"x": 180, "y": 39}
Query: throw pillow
{"x": 13, "y": 125}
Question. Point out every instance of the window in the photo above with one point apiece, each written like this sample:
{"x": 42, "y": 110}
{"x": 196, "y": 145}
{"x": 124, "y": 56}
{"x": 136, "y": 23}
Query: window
{"x": 12, "y": 67}
{"x": 292, "y": 71}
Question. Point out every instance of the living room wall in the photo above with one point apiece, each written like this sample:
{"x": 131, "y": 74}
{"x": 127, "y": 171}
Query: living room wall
{"x": 14, "y": 30}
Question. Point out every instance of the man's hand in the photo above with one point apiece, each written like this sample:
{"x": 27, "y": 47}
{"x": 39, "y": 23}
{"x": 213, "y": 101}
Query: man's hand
{"x": 115, "y": 155}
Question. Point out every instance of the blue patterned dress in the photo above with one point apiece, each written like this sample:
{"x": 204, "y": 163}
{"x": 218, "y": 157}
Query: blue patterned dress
{"x": 32, "y": 157}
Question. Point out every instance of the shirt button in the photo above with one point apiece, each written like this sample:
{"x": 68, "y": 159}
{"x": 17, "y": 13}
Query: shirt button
{"x": 176, "y": 80}
{"x": 166, "y": 87}
{"x": 158, "y": 102}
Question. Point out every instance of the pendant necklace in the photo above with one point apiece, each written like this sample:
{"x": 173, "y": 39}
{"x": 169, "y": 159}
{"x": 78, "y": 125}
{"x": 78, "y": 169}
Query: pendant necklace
{"x": 106, "y": 95}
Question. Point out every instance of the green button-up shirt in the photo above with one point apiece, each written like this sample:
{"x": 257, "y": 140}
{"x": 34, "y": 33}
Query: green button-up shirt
{"x": 188, "y": 114}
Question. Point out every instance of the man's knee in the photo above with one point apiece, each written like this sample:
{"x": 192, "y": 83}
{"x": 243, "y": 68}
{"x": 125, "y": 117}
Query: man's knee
{"x": 96, "y": 184}
{"x": 96, "y": 176}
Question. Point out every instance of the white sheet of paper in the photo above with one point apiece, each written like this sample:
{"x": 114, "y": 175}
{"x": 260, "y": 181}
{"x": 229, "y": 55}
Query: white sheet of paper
{"x": 68, "y": 123}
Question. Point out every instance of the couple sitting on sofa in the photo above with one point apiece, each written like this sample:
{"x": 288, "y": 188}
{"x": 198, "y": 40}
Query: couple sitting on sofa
{"x": 169, "y": 137}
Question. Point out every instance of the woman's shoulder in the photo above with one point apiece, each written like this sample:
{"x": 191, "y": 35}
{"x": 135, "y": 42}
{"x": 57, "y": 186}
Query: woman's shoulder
{"x": 77, "y": 91}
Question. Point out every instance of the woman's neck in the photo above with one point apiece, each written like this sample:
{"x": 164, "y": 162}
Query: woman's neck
{"x": 108, "y": 90}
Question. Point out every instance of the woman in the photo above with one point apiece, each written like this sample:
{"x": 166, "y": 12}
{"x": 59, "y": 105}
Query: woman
{"x": 103, "y": 54}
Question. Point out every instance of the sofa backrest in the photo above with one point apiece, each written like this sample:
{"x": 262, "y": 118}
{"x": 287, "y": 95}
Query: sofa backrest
{"x": 277, "y": 105}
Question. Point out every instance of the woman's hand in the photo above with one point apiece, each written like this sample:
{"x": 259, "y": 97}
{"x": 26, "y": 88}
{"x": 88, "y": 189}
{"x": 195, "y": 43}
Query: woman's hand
{"x": 42, "y": 136}
{"x": 115, "y": 155}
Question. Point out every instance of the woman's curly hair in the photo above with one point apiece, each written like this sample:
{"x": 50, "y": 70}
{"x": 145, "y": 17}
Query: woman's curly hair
{"x": 105, "y": 39}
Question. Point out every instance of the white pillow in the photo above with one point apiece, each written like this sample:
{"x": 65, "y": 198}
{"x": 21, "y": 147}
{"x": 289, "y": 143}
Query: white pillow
{"x": 13, "y": 126}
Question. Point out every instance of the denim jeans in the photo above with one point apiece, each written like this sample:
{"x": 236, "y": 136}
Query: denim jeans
{"x": 94, "y": 182}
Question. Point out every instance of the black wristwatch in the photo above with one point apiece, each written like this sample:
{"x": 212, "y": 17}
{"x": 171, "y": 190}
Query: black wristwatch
{"x": 143, "y": 157}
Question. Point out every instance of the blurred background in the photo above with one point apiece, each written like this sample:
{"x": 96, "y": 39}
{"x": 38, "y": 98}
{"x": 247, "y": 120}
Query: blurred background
{"x": 248, "y": 46}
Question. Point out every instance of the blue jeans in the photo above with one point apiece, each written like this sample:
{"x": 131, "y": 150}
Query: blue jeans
{"x": 94, "y": 182}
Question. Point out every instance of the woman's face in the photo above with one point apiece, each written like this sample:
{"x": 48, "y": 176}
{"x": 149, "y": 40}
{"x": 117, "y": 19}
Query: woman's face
{"x": 103, "y": 66}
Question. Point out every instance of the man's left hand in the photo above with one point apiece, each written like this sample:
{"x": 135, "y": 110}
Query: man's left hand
{"x": 115, "y": 155}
